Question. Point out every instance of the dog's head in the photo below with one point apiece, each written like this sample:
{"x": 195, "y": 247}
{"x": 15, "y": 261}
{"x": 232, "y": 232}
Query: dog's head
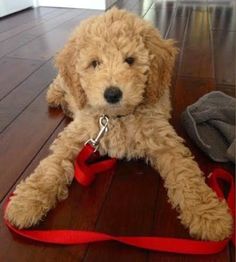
{"x": 115, "y": 62}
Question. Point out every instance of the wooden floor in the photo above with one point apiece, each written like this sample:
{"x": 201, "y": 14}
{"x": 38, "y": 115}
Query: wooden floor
{"x": 133, "y": 201}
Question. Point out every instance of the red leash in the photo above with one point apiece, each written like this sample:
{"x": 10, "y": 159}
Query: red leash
{"x": 87, "y": 165}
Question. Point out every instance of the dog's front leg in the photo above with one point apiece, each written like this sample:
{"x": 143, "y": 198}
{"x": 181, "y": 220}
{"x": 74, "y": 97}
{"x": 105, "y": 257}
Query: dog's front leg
{"x": 35, "y": 196}
{"x": 200, "y": 210}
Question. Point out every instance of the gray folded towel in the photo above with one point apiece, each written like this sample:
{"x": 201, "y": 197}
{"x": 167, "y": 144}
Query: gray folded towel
{"x": 210, "y": 122}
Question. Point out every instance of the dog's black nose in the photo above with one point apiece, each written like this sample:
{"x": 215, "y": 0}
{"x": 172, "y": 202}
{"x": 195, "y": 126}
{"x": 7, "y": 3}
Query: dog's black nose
{"x": 113, "y": 94}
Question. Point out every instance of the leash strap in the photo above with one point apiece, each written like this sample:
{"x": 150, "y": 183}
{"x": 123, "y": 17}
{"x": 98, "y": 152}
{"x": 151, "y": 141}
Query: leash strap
{"x": 86, "y": 167}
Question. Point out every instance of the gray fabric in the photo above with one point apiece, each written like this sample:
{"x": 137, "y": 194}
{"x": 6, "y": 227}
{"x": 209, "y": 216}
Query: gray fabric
{"x": 210, "y": 122}
{"x": 231, "y": 151}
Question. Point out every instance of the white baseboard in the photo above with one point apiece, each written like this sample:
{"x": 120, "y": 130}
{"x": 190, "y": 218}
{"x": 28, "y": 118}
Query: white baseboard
{"x": 88, "y": 4}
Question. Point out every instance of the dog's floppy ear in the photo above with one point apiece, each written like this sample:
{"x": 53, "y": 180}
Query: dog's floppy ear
{"x": 66, "y": 62}
{"x": 162, "y": 57}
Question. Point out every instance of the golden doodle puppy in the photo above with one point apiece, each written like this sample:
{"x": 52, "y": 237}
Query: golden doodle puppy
{"x": 118, "y": 65}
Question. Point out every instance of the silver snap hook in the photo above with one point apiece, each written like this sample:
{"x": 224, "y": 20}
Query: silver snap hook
{"x": 103, "y": 123}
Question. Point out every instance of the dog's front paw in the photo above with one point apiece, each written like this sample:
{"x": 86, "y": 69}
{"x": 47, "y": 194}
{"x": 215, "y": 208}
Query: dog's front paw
{"x": 24, "y": 212}
{"x": 55, "y": 95}
{"x": 210, "y": 221}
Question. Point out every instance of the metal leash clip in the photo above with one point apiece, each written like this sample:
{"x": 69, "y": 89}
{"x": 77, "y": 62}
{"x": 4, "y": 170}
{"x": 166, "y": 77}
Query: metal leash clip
{"x": 103, "y": 123}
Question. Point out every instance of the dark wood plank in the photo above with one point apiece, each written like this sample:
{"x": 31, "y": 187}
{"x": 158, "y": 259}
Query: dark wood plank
{"x": 24, "y": 137}
{"x": 30, "y": 24}
{"x": 25, "y": 93}
{"x": 187, "y": 91}
{"x": 232, "y": 252}
{"x": 19, "y": 40}
{"x": 224, "y": 43}
{"x": 139, "y": 11}
{"x": 227, "y": 89}
{"x": 132, "y": 4}
{"x": 128, "y": 210}
{"x": 176, "y": 31}
{"x": 196, "y": 57}
{"x": 44, "y": 47}
{"x": 24, "y": 16}
{"x": 223, "y": 15}
{"x": 14, "y": 71}
{"x": 47, "y": 26}
{"x": 13, "y": 43}
{"x": 179, "y": 25}
{"x": 160, "y": 18}
{"x": 137, "y": 7}
{"x": 126, "y": 4}
{"x": 166, "y": 4}
{"x": 143, "y": 4}
{"x": 223, "y": 24}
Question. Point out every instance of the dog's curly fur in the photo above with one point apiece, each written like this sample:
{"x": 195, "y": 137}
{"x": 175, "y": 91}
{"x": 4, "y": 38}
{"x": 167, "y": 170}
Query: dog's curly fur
{"x": 93, "y": 59}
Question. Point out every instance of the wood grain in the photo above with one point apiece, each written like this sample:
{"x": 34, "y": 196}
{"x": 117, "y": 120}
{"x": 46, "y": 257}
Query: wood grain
{"x": 11, "y": 21}
{"x": 13, "y": 72}
{"x": 25, "y": 93}
{"x": 224, "y": 43}
{"x": 45, "y": 46}
{"x": 223, "y": 16}
{"x": 22, "y": 140}
{"x": 20, "y": 28}
{"x": 161, "y": 18}
{"x": 197, "y": 58}
{"x": 128, "y": 210}
{"x": 9, "y": 45}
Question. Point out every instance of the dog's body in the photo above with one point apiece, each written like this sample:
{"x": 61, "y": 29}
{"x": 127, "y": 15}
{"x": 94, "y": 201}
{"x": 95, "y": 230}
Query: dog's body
{"x": 118, "y": 65}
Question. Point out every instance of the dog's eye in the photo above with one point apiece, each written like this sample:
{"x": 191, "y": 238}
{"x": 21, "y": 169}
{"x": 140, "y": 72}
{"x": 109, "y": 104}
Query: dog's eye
{"x": 95, "y": 63}
{"x": 129, "y": 60}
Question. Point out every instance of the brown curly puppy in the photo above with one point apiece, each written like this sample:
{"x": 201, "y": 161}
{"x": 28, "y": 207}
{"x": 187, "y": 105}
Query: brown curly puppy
{"x": 117, "y": 64}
